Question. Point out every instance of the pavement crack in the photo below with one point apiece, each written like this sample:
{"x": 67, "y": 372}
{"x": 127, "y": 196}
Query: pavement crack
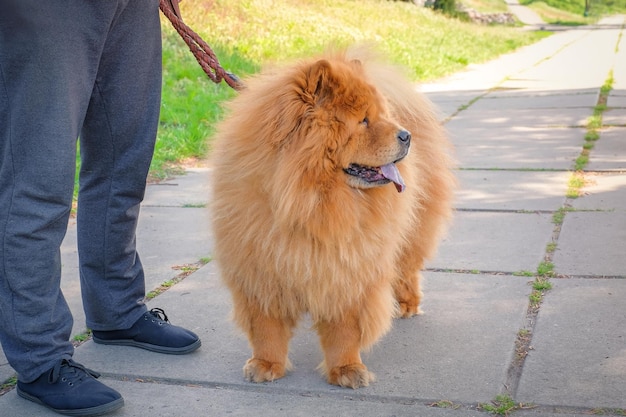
{"x": 546, "y": 269}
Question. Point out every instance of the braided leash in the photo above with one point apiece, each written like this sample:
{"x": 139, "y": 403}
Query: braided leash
{"x": 200, "y": 49}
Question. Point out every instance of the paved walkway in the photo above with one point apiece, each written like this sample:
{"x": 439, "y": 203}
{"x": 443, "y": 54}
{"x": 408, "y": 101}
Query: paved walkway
{"x": 525, "y": 14}
{"x": 518, "y": 124}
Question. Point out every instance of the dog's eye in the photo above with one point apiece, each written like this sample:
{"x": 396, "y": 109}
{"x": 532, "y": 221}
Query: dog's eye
{"x": 365, "y": 122}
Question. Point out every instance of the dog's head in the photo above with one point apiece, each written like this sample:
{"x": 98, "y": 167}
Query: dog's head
{"x": 345, "y": 124}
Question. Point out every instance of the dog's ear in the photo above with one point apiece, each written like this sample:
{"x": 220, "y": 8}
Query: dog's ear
{"x": 319, "y": 81}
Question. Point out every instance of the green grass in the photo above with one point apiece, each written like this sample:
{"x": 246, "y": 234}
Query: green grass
{"x": 575, "y": 185}
{"x": 571, "y": 12}
{"x": 503, "y": 405}
{"x": 545, "y": 269}
{"x": 247, "y": 35}
{"x": 559, "y": 14}
{"x": 594, "y": 123}
{"x": 8, "y": 385}
{"x": 542, "y": 285}
{"x": 190, "y": 105}
{"x": 82, "y": 337}
{"x": 486, "y": 6}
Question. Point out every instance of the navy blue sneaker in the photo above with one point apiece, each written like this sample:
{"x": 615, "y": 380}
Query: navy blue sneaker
{"x": 71, "y": 389}
{"x": 153, "y": 332}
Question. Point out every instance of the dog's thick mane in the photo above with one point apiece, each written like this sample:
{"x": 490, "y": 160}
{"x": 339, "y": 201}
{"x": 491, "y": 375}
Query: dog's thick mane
{"x": 278, "y": 170}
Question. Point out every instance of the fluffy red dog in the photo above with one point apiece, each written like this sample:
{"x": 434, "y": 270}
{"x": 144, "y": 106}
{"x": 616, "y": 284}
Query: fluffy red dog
{"x": 332, "y": 185}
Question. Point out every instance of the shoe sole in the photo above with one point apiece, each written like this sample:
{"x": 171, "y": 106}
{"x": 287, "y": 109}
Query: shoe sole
{"x": 153, "y": 348}
{"x": 80, "y": 412}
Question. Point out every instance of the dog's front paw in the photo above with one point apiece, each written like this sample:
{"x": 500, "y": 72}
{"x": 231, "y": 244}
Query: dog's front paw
{"x": 259, "y": 370}
{"x": 350, "y": 376}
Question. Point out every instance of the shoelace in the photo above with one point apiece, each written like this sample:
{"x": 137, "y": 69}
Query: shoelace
{"x": 68, "y": 370}
{"x": 159, "y": 314}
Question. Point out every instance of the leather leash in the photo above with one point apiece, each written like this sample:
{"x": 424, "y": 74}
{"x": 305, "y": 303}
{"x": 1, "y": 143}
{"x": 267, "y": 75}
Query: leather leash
{"x": 199, "y": 48}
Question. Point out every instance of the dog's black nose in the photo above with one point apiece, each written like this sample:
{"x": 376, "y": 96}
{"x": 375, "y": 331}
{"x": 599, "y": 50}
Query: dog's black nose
{"x": 404, "y": 136}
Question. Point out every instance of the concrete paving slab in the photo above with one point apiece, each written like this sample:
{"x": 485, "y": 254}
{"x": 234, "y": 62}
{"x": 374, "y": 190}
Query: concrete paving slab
{"x": 202, "y": 304}
{"x": 188, "y": 190}
{"x": 445, "y": 110}
{"x": 602, "y": 191}
{"x": 450, "y": 96}
{"x": 516, "y": 147}
{"x": 511, "y": 190}
{"x": 615, "y": 116}
{"x": 171, "y": 400}
{"x": 546, "y": 100}
{"x": 619, "y": 70}
{"x": 558, "y": 411}
{"x": 494, "y": 241}
{"x": 586, "y": 93}
{"x": 458, "y": 350}
{"x": 591, "y": 69}
{"x": 617, "y": 98}
{"x": 449, "y": 103}
{"x": 164, "y": 242}
{"x": 592, "y": 243}
{"x": 589, "y": 315}
{"x": 475, "y": 116}
{"x": 609, "y": 152}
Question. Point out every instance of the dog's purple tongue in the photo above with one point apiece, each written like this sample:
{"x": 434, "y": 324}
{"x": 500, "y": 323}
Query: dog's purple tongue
{"x": 390, "y": 171}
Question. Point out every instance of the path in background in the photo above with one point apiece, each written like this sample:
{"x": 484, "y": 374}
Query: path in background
{"x": 526, "y": 15}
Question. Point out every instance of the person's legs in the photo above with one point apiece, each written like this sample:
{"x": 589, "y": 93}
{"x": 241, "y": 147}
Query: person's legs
{"x": 49, "y": 53}
{"x": 48, "y": 60}
{"x": 117, "y": 141}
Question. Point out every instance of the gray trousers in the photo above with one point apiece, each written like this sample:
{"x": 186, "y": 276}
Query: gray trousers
{"x": 73, "y": 69}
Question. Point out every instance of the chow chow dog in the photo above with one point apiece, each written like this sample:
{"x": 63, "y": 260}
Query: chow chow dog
{"x": 332, "y": 183}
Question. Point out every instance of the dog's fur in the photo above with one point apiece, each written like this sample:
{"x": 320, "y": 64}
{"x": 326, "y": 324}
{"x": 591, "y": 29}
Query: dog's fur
{"x": 295, "y": 233}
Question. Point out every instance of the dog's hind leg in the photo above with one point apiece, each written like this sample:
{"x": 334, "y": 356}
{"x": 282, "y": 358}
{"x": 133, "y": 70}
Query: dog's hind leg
{"x": 421, "y": 244}
{"x": 407, "y": 287}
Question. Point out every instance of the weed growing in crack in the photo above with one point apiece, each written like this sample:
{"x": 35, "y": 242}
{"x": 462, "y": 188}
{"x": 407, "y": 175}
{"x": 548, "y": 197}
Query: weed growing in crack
{"x": 8, "y": 385}
{"x": 545, "y": 270}
{"x": 594, "y": 122}
{"x": 582, "y": 161}
{"x": 503, "y": 405}
{"x": 575, "y": 185}
{"x": 558, "y": 216}
{"x": 592, "y": 136}
{"x": 542, "y": 284}
{"x": 81, "y": 338}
